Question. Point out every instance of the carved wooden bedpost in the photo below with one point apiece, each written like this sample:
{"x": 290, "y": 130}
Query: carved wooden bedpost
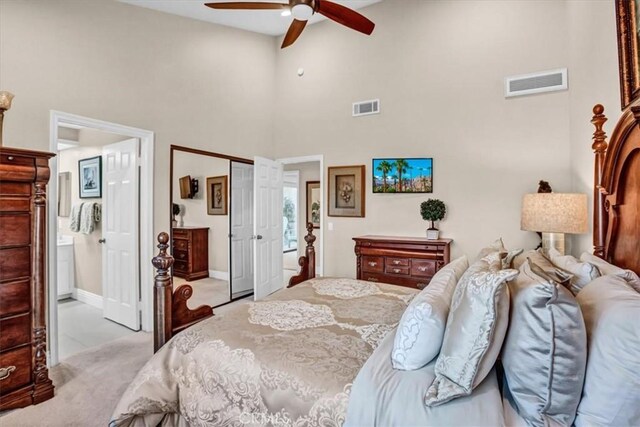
{"x": 307, "y": 263}
{"x": 600, "y": 148}
{"x": 162, "y": 293}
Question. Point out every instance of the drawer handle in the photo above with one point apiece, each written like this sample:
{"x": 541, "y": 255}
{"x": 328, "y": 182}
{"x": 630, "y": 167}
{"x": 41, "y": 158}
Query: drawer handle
{"x": 5, "y": 372}
{"x": 372, "y": 264}
{"x": 396, "y": 262}
{"x": 182, "y": 255}
{"x": 372, "y": 279}
{"x": 9, "y": 158}
{"x": 396, "y": 270}
{"x": 423, "y": 269}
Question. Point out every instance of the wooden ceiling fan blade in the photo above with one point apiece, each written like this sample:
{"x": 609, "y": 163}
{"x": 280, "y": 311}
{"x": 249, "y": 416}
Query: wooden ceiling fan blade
{"x": 345, "y": 16}
{"x": 250, "y": 5}
{"x": 295, "y": 29}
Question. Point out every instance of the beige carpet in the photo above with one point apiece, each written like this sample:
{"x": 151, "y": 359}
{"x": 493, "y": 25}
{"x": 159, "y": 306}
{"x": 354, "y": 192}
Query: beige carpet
{"x": 88, "y": 385}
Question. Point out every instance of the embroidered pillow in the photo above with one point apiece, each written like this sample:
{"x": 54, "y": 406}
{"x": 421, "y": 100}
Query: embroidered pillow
{"x": 545, "y": 351}
{"x": 611, "y": 396}
{"x": 420, "y": 331}
{"x": 475, "y": 330}
{"x": 606, "y": 268}
{"x": 496, "y": 246}
{"x": 583, "y": 272}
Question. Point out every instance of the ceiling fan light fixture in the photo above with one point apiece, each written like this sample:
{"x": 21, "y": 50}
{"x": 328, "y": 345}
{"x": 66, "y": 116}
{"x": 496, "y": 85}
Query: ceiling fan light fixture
{"x": 302, "y": 12}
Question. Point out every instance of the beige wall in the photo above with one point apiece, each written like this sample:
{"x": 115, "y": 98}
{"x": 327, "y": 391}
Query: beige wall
{"x": 194, "y": 211}
{"x": 190, "y": 82}
{"x": 438, "y": 68}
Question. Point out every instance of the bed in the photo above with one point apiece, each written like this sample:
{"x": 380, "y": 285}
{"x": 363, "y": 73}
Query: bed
{"x": 317, "y": 353}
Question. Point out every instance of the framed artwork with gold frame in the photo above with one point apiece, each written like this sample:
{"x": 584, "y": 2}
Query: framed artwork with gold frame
{"x": 347, "y": 191}
{"x": 628, "y": 53}
{"x": 217, "y": 197}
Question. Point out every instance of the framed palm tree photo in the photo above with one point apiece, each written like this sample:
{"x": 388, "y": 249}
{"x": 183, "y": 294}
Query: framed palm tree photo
{"x": 398, "y": 175}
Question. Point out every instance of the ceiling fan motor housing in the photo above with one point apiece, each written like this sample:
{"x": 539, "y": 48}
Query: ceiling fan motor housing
{"x": 303, "y": 10}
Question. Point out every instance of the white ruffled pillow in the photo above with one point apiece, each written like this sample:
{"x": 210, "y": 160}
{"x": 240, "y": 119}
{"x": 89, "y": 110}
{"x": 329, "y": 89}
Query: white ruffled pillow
{"x": 421, "y": 329}
{"x": 606, "y": 269}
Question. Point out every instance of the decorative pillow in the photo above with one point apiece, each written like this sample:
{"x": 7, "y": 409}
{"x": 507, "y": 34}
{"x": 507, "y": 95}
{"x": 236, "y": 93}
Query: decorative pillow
{"x": 496, "y": 246}
{"x": 475, "y": 330}
{"x": 545, "y": 350}
{"x": 611, "y": 393}
{"x": 421, "y": 329}
{"x": 583, "y": 272}
{"x": 536, "y": 257}
{"x": 606, "y": 268}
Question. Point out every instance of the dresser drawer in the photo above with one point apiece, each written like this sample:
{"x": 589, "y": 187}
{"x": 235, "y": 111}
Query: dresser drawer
{"x": 180, "y": 244}
{"x": 14, "y": 297}
{"x": 15, "y": 189}
{"x": 397, "y": 271}
{"x": 180, "y": 266}
{"x": 15, "y": 204}
{"x": 423, "y": 267}
{"x": 180, "y": 232}
{"x": 15, "y": 263}
{"x": 15, "y": 230}
{"x": 397, "y": 262}
{"x": 15, "y": 369}
{"x": 179, "y": 255}
{"x": 15, "y": 331}
{"x": 373, "y": 263}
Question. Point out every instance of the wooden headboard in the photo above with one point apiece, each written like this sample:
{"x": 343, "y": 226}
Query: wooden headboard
{"x": 616, "y": 192}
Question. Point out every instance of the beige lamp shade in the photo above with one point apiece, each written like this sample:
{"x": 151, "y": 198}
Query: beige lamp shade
{"x": 554, "y": 213}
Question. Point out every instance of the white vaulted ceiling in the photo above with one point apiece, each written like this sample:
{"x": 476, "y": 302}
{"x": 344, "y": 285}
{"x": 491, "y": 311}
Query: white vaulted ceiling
{"x": 269, "y": 22}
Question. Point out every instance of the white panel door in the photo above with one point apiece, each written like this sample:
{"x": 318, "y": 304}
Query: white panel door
{"x": 267, "y": 195}
{"x": 241, "y": 228}
{"x": 120, "y": 259}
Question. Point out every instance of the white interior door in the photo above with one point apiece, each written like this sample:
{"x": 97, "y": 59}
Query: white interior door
{"x": 267, "y": 195}
{"x": 241, "y": 228}
{"x": 120, "y": 260}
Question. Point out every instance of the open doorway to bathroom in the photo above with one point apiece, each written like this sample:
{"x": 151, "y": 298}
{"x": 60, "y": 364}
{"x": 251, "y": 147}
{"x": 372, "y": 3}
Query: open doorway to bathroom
{"x": 96, "y": 236}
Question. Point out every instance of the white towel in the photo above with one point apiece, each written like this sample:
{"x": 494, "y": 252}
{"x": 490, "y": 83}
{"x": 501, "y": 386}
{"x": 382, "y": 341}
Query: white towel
{"x": 74, "y": 223}
{"x": 89, "y": 216}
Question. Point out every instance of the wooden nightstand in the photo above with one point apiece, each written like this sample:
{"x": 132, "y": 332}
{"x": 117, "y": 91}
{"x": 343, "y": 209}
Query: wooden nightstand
{"x": 404, "y": 261}
{"x": 191, "y": 252}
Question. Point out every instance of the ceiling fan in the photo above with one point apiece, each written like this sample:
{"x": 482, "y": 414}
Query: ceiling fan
{"x": 302, "y": 11}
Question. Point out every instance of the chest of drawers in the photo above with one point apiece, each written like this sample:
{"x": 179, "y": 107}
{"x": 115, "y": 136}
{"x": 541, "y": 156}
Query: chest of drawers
{"x": 404, "y": 261}
{"x": 191, "y": 252}
{"x": 24, "y": 377}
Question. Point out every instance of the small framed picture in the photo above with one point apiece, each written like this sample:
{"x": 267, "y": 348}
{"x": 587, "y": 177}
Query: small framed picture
{"x": 217, "y": 195}
{"x": 90, "y": 177}
{"x": 314, "y": 199}
{"x": 346, "y": 191}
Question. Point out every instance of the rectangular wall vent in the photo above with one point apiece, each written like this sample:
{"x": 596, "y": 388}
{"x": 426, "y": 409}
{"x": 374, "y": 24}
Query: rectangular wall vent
{"x": 365, "y": 108}
{"x": 544, "y": 81}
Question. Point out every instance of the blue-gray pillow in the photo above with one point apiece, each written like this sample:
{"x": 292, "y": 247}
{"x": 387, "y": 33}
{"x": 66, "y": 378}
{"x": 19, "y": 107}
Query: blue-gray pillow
{"x": 545, "y": 351}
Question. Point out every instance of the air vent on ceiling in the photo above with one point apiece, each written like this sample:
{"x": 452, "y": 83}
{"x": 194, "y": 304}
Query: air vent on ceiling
{"x": 527, "y": 84}
{"x": 364, "y": 108}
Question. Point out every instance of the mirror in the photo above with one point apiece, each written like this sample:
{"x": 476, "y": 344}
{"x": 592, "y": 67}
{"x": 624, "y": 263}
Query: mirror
{"x": 211, "y": 227}
{"x": 64, "y": 194}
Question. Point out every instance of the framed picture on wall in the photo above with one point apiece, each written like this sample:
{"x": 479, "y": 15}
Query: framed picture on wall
{"x": 402, "y": 175}
{"x": 628, "y": 51}
{"x": 346, "y": 191}
{"x": 314, "y": 198}
{"x": 217, "y": 195}
{"x": 90, "y": 177}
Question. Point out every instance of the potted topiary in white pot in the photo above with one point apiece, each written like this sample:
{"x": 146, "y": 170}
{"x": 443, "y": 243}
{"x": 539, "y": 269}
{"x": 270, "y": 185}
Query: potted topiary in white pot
{"x": 433, "y": 210}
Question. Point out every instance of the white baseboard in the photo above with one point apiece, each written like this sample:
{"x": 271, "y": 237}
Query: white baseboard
{"x": 220, "y": 275}
{"x": 88, "y": 298}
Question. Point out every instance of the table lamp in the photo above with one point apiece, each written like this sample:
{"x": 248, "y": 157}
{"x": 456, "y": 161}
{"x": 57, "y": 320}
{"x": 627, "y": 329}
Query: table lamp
{"x": 554, "y": 215}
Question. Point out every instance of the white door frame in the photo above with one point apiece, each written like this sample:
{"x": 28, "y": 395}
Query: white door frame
{"x": 147, "y": 241}
{"x": 314, "y": 158}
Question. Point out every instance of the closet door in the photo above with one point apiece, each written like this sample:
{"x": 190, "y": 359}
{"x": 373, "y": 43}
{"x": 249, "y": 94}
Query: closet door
{"x": 241, "y": 228}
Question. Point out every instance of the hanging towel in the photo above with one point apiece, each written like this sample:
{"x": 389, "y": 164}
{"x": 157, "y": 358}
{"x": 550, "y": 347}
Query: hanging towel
{"x": 74, "y": 223}
{"x": 88, "y": 217}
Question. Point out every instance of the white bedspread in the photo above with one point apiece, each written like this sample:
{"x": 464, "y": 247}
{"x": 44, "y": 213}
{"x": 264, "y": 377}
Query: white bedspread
{"x": 382, "y": 396}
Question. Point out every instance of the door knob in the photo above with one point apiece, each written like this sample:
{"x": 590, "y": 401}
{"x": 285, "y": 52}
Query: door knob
{"x": 102, "y": 241}
{"x": 258, "y": 237}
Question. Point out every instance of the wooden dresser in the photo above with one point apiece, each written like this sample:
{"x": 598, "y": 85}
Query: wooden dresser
{"x": 404, "y": 261}
{"x": 24, "y": 377}
{"x": 191, "y": 252}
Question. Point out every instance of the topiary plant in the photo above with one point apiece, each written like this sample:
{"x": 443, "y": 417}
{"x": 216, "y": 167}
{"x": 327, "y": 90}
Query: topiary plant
{"x": 433, "y": 210}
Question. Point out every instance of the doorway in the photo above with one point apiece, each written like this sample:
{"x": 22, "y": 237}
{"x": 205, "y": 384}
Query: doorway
{"x": 96, "y": 237}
